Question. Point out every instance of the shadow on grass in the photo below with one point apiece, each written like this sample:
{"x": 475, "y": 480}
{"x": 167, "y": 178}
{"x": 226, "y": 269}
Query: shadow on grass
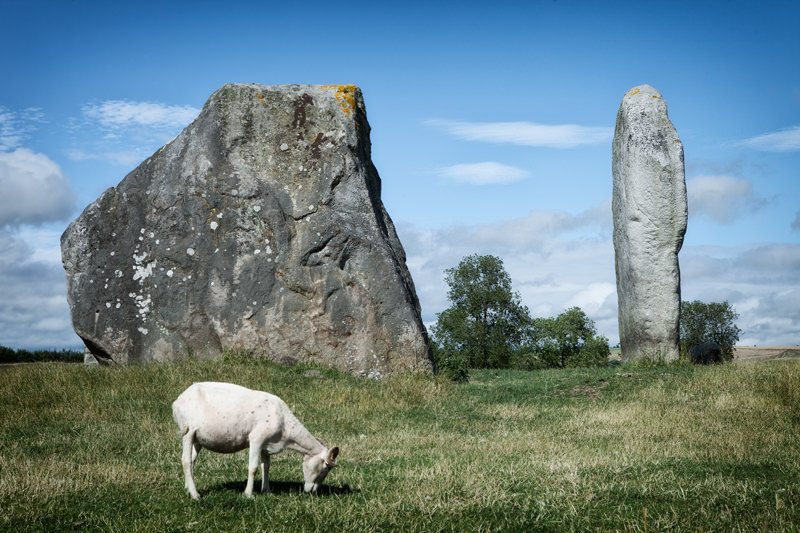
{"x": 284, "y": 487}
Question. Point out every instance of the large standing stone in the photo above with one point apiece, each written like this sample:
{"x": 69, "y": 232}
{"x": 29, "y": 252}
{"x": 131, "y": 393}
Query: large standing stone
{"x": 259, "y": 227}
{"x": 650, "y": 214}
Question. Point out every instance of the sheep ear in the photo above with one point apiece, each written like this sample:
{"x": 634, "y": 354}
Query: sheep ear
{"x": 332, "y": 454}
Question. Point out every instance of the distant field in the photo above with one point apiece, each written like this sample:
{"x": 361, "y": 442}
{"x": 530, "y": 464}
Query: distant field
{"x": 765, "y": 353}
{"x": 749, "y": 353}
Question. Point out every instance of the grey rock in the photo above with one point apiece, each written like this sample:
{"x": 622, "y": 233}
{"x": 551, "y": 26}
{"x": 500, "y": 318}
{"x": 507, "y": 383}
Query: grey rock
{"x": 650, "y": 216}
{"x": 259, "y": 227}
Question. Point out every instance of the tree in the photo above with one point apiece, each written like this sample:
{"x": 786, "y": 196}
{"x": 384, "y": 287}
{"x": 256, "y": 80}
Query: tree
{"x": 570, "y": 339}
{"x": 486, "y": 321}
{"x": 709, "y": 322}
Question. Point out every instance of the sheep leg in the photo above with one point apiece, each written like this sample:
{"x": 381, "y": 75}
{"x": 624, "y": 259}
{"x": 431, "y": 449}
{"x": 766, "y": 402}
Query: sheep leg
{"x": 255, "y": 460}
{"x": 264, "y": 471}
{"x": 190, "y": 450}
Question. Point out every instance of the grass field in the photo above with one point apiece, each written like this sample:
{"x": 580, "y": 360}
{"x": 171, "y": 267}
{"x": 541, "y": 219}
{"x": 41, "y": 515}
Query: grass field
{"x": 623, "y": 448}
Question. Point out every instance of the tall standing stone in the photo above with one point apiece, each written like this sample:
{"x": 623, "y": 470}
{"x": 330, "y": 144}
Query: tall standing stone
{"x": 260, "y": 227}
{"x": 650, "y": 215}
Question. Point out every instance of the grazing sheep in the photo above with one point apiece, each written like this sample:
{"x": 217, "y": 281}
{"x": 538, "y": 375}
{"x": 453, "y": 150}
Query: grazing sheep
{"x": 226, "y": 418}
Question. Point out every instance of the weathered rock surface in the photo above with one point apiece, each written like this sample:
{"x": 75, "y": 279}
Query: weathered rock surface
{"x": 650, "y": 215}
{"x": 259, "y": 227}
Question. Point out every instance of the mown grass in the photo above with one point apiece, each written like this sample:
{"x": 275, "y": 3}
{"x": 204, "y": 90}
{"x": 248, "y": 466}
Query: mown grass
{"x": 625, "y": 448}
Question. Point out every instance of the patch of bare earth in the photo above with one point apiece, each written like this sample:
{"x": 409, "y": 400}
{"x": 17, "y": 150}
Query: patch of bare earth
{"x": 746, "y": 354}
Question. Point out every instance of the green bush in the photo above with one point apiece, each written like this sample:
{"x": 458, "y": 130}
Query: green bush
{"x": 486, "y": 322}
{"x": 708, "y": 322}
{"x": 568, "y": 340}
{"x": 451, "y": 364}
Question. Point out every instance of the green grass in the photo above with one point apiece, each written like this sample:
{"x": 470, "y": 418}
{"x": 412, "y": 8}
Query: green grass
{"x": 628, "y": 449}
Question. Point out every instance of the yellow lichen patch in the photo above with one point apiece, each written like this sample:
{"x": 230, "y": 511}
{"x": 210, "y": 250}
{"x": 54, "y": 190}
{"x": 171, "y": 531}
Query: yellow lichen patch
{"x": 260, "y": 98}
{"x": 633, "y": 91}
{"x": 345, "y": 95}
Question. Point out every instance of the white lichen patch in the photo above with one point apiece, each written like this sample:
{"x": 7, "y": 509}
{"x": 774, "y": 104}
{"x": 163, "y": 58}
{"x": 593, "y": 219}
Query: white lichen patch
{"x": 190, "y": 252}
{"x": 256, "y": 208}
{"x": 142, "y": 272}
{"x": 213, "y": 225}
{"x": 143, "y": 331}
{"x": 170, "y": 273}
{"x": 143, "y": 303}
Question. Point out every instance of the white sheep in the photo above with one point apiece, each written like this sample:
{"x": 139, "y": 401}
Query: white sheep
{"x": 226, "y": 418}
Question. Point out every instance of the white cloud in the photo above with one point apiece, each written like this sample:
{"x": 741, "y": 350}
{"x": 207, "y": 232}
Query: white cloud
{"x": 123, "y": 113}
{"x": 527, "y": 133}
{"x": 16, "y": 126}
{"x": 34, "y": 190}
{"x": 721, "y": 198}
{"x": 483, "y": 173}
{"x": 785, "y": 140}
{"x": 125, "y": 132}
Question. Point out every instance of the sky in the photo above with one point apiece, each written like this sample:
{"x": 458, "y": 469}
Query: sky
{"x": 492, "y": 125}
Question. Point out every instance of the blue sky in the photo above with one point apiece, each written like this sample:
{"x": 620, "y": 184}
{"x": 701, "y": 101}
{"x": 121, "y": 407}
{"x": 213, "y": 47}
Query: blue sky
{"x": 491, "y": 129}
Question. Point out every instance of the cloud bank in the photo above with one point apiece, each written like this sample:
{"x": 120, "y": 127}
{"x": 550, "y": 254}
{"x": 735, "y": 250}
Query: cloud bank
{"x": 33, "y": 306}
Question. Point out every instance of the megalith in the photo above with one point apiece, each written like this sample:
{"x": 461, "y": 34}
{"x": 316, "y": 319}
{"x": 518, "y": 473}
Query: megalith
{"x": 259, "y": 228}
{"x": 650, "y": 215}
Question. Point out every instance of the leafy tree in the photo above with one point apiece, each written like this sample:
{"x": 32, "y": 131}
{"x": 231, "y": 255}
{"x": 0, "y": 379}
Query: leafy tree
{"x": 709, "y": 322}
{"x": 486, "y": 321}
{"x": 570, "y": 339}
